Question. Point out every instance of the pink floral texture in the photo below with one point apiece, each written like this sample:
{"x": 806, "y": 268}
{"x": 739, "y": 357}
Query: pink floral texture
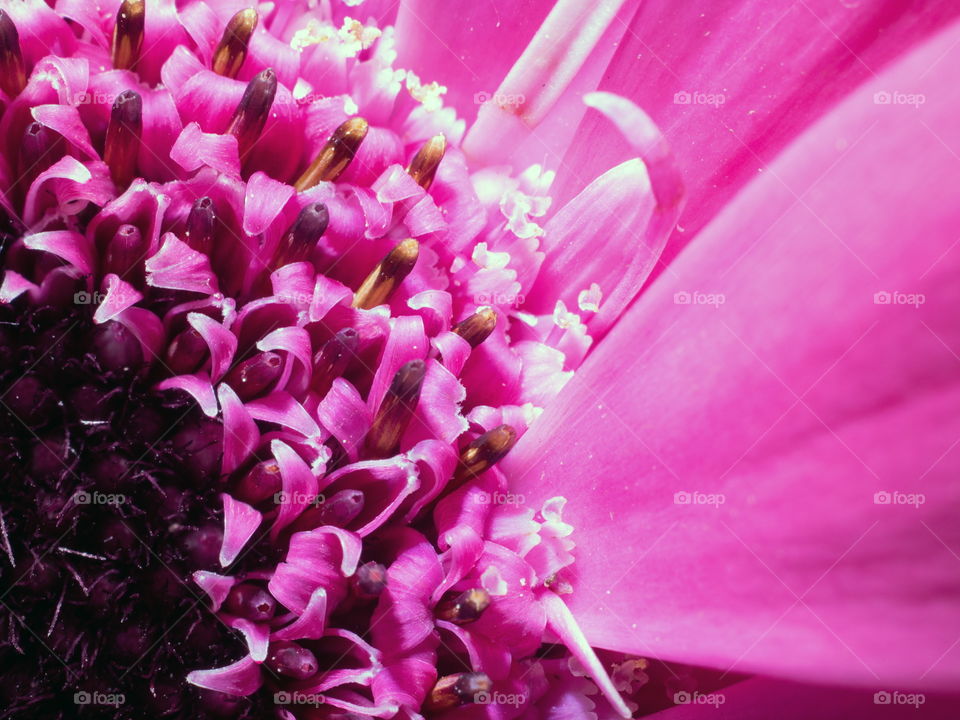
{"x": 750, "y": 467}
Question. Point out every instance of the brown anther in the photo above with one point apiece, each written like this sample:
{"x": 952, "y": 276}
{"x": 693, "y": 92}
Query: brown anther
{"x": 128, "y": 34}
{"x": 252, "y": 112}
{"x": 477, "y": 328}
{"x": 485, "y": 452}
{"x": 336, "y": 154}
{"x": 465, "y": 607}
{"x": 13, "y": 73}
{"x": 232, "y": 51}
{"x": 424, "y": 165}
{"x": 396, "y": 409}
{"x": 452, "y": 691}
{"x": 122, "y": 143}
{"x": 302, "y": 236}
{"x": 387, "y": 275}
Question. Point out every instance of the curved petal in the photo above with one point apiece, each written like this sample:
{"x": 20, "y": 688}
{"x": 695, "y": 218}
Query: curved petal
{"x": 761, "y": 458}
{"x": 733, "y": 82}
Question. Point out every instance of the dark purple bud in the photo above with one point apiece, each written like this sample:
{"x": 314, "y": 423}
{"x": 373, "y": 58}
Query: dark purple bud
{"x": 291, "y": 660}
{"x": 370, "y": 579}
{"x": 116, "y": 348}
{"x": 302, "y": 237}
{"x": 90, "y": 404}
{"x": 253, "y": 376}
{"x": 262, "y": 482}
{"x": 201, "y": 223}
{"x": 341, "y": 509}
{"x": 125, "y": 254}
{"x": 123, "y": 138}
{"x": 251, "y": 114}
{"x": 332, "y": 360}
{"x": 186, "y": 352}
{"x": 397, "y": 408}
{"x": 250, "y": 601}
{"x": 38, "y": 151}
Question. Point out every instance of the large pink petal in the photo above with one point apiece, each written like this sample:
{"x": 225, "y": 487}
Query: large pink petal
{"x": 798, "y": 369}
{"x": 764, "y": 71}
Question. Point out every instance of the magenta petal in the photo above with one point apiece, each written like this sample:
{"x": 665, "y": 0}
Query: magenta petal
{"x": 282, "y": 408}
{"x": 66, "y": 244}
{"x": 240, "y": 678}
{"x": 240, "y": 522}
{"x": 195, "y": 148}
{"x": 769, "y": 484}
{"x": 216, "y": 586}
{"x": 176, "y": 266}
{"x": 312, "y": 621}
{"x": 321, "y": 558}
{"x": 120, "y": 296}
{"x": 299, "y": 485}
{"x": 345, "y": 416}
{"x": 221, "y": 342}
{"x": 265, "y": 198}
{"x": 198, "y": 386}
{"x": 65, "y": 119}
{"x": 72, "y": 184}
{"x": 240, "y": 434}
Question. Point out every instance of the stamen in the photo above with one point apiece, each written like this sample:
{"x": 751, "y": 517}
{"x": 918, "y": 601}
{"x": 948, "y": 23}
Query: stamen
{"x": 13, "y": 73}
{"x": 387, "y": 275}
{"x": 452, "y": 691}
{"x": 123, "y": 138}
{"x": 253, "y": 376}
{"x": 465, "y": 608}
{"x": 128, "y": 34}
{"x": 424, "y": 165}
{"x": 291, "y": 660}
{"x": 397, "y": 409}
{"x": 200, "y": 226}
{"x": 336, "y": 155}
{"x": 232, "y": 51}
{"x": 477, "y": 328}
{"x": 370, "y": 579}
{"x": 253, "y": 110}
{"x": 125, "y": 251}
{"x": 186, "y": 352}
{"x": 262, "y": 482}
{"x": 332, "y": 359}
{"x": 250, "y": 601}
{"x": 485, "y": 452}
{"x": 300, "y": 239}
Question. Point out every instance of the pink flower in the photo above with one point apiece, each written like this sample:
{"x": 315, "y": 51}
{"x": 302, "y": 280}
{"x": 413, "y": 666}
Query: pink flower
{"x": 423, "y": 424}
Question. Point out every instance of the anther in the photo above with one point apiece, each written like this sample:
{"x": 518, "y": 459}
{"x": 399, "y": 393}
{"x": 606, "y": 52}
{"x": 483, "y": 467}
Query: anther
{"x": 465, "y": 607}
{"x": 291, "y": 660}
{"x": 123, "y": 138}
{"x": 125, "y": 253}
{"x": 250, "y": 601}
{"x": 200, "y": 226}
{"x": 387, "y": 275}
{"x": 477, "y": 328}
{"x": 452, "y": 691}
{"x": 370, "y": 579}
{"x": 13, "y": 73}
{"x": 252, "y": 112}
{"x": 332, "y": 359}
{"x": 485, "y": 452}
{"x": 396, "y": 409}
{"x": 38, "y": 150}
{"x": 232, "y": 51}
{"x": 336, "y": 154}
{"x": 253, "y": 376}
{"x": 302, "y": 237}
{"x": 424, "y": 165}
{"x": 128, "y": 34}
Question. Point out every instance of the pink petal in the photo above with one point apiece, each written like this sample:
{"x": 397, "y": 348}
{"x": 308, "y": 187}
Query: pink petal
{"x": 240, "y": 522}
{"x": 221, "y": 342}
{"x": 216, "y": 586}
{"x": 779, "y": 371}
{"x": 345, "y": 416}
{"x": 195, "y": 148}
{"x": 66, "y": 244}
{"x": 176, "y": 266}
{"x": 299, "y": 485}
{"x": 311, "y": 622}
{"x": 198, "y": 386}
{"x": 282, "y": 408}
{"x": 240, "y": 434}
{"x": 240, "y": 678}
